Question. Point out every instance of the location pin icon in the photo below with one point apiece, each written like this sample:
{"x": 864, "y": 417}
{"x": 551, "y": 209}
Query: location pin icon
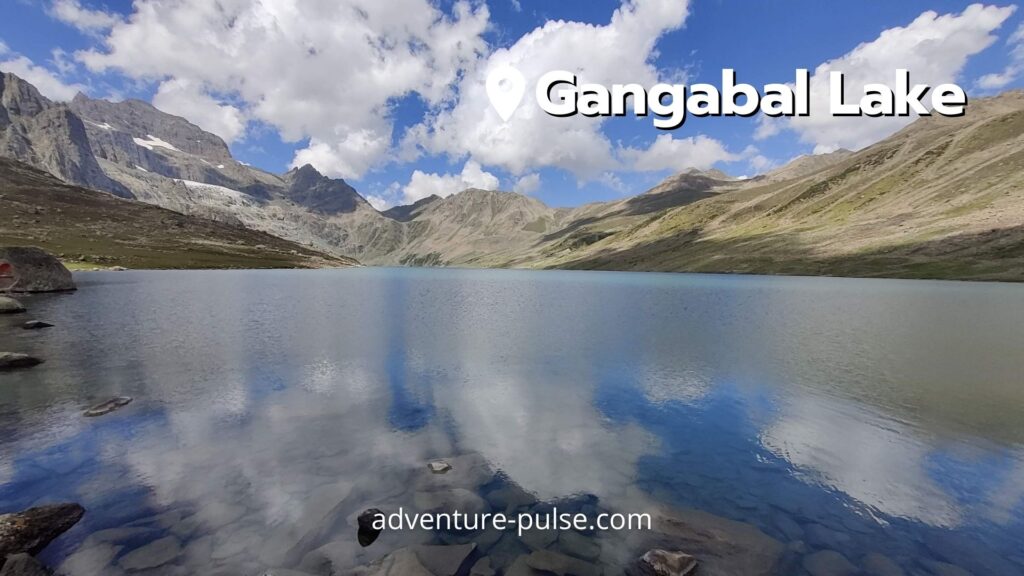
{"x": 505, "y": 87}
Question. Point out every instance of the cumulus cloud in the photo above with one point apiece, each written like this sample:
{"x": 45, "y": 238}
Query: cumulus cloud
{"x": 47, "y": 82}
{"x": 423, "y": 184}
{"x": 1013, "y": 70}
{"x": 184, "y": 98}
{"x": 670, "y": 153}
{"x": 326, "y": 71}
{"x": 527, "y": 184}
{"x": 933, "y": 47}
{"x": 531, "y": 139}
{"x": 85, "y": 19}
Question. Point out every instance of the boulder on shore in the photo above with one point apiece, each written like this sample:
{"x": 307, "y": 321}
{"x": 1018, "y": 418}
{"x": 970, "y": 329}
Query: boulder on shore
{"x": 10, "y": 306}
{"x": 12, "y": 360}
{"x": 32, "y": 530}
{"x": 24, "y": 565}
{"x": 32, "y": 269}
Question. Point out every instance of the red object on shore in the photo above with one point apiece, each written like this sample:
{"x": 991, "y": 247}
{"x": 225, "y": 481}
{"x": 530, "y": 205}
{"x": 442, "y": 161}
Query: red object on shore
{"x": 7, "y": 278}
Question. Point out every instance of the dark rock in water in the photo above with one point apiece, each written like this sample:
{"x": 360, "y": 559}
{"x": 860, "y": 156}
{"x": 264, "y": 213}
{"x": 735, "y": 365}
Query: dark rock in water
{"x": 10, "y": 306}
{"x": 34, "y": 270}
{"x": 367, "y": 533}
{"x": 12, "y": 360}
{"x": 880, "y": 565}
{"x": 829, "y": 563}
{"x": 30, "y": 531}
{"x": 24, "y": 565}
{"x": 664, "y": 563}
{"x": 108, "y": 406}
{"x": 36, "y": 325}
{"x": 549, "y": 562}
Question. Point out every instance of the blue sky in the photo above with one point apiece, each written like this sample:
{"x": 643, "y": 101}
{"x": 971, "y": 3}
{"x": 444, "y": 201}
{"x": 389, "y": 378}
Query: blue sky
{"x": 763, "y": 41}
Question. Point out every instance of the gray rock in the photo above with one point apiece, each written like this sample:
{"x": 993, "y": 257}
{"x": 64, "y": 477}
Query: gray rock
{"x": 482, "y": 568}
{"x": 665, "y": 563}
{"x": 455, "y": 499}
{"x": 876, "y": 564}
{"x": 35, "y": 270}
{"x": 944, "y": 568}
{"x": 36, "y": 325}
{"x": 91, "y": 559}
{"x": 9, "y": 305}
{"x": 107, "y": 406}
{"x": 32, "y": 530}
{"x": 575, "y": 544}
{"x": 402, "y": 562}
{"x": 12, "y": 360}
{"x": 24, "y": 565}
{"x": 819, "y": 536}
{"x": 828, "y": 563}
{"x": 156, "y": 553}
{"x": 444, "y": 560}
{"x": 723, "y": 547}
{"x": 439, "y": 466}
{"x": 560, "y": 564}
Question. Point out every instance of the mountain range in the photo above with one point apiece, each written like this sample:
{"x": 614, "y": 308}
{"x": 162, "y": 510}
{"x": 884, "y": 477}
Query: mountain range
{"x": 942, "y": 198}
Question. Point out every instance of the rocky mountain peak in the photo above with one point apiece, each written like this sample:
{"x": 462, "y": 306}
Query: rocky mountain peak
{"x": 19, "y": 98}
{"x": 141, "y": 120}
{"x": 308, "y": 187}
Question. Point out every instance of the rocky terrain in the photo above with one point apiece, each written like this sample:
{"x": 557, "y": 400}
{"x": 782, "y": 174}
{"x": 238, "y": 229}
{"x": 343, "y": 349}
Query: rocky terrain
{"x": 940, "y": 199}
{"x": 95, "y": 229}
{"x": 943, "y": 198}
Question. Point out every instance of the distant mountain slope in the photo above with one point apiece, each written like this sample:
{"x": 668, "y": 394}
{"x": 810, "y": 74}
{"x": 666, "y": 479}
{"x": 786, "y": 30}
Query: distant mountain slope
{"x": 943, "y": 198}
{"x": 98, "y": 229}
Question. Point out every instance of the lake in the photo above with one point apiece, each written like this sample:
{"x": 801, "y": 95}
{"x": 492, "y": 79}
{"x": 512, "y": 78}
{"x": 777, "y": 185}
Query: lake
{"x": 882, "y": 420}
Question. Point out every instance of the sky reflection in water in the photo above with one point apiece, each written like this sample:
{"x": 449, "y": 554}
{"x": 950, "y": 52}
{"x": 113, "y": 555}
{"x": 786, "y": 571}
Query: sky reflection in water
{"x": 890, "y": 408}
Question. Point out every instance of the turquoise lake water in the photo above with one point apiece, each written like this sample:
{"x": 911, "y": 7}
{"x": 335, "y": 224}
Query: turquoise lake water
{"x": 868, "y": 417}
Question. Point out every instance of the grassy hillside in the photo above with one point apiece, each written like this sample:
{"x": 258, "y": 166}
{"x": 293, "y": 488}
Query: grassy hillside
{"x": 89, "y": 229}
{"x": 943, "y": 198}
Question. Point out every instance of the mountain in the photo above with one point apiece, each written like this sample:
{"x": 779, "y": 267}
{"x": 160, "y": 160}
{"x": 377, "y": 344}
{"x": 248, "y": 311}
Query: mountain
{"x": 407, "y": 212}
{"x": 90, "y": 228}
{"x": 943, "y": 198}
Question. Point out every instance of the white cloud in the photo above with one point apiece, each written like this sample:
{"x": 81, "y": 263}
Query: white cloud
{"x": 527, "y": 184}
{"x": 87, "y": 20}
{"x": 327, "y": 71}
{"x": 670, "y": 153}
{"x": 1013, "y": 70}
{"x": 423, "y": 184}
{"x": 933, "y": 47}
{"x": 48, "y": 83}
{"x": 379, "y": 203}
{"x": 531, "y": 139}
{"x": 184, "y": 98}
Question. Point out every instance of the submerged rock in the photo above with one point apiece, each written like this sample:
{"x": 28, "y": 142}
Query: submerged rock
{"x": 11, "y": 360}
{"x": 444, "y": 560}
{"x": 32, "y": 530}
{"x": 9, "y": 305}
{"x": 36, "y": 325}
{"x": 723, "y": 547}
{"x": 367, "y": 533}
{"x": 108, "y": 406}
{"x": 156, "y": 553}
{"x": 24, "y": 565}
{"x": 34, "y": 270}
{"x": 828, "y": 563}
{"x": 664, "y": 563}
{"x": 482, "y": 568}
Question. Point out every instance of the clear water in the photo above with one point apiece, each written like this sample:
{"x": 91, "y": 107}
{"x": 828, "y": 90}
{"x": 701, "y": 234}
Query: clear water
{"x": 863, "y": 416}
